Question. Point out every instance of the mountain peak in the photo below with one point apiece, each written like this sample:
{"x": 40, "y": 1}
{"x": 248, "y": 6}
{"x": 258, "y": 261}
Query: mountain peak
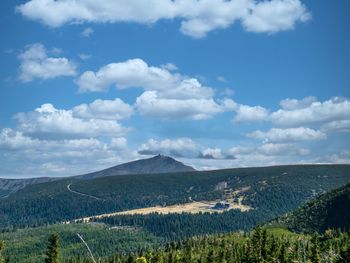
{"x": 154, "y": 165}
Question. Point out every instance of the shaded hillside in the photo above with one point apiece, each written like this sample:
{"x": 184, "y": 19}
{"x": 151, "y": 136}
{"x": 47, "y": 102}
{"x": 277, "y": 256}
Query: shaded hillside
{"x": 155, "y": 165}
{"x": 271, "y": 191}
{"x": 9, "y": 186}
{"x": 328, "y": 211}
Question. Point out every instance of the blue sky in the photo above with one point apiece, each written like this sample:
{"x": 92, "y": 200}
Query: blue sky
{"x": 86, "y": 85}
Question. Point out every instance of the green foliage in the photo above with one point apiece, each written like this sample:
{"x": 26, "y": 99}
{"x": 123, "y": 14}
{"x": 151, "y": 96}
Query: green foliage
{"x": 330, "y": 210}
{"x": 273, "y": 191}
{"x": 185, "y": 225}
{"x": 52, "y": 253}
{"x": 1, "y": 248}
{"x": 259, "y": 246}
{"x": 29, "y": 245}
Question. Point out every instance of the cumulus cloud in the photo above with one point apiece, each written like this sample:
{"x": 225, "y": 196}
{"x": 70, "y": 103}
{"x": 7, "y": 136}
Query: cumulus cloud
{"x": 328, "y": 115}
{"x": 137, "y": 73}
{"x": 103, "y": 109}
{"x": 245, "y": 113}
{"x": 274, "y": 16}
{"x": 286, "y": 149}
{"x": 312, "y": 112}
{"x": 337, "y": 126}
{"x": 59, "y": 157}
{"x": 294, "y": 104}
{"x": 167, "y": 95}
{"x": 215, "y": 153}
{"x": 177, "y": 147}
{"x": 152, "y": 105}
{"x": 12, "y": 140}
{"x": 169, "y": 66}
{"x": 197, "y": 17}
{"x": 49, "y": 121}
{"x": 35, "y": 64}
{"x": 288, "y": 135}
{"x": 119, "y": 143}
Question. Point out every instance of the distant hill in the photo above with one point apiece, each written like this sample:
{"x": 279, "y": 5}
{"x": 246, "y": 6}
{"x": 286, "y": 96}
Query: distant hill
{"x": 9, "y": 186}
{"x": 155, "y": 165}
{"x": 328, "y": 211}
{"x": 269, "y": 191}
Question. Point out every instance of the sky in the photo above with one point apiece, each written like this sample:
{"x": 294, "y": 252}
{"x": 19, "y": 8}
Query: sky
{"x": 85, "y": 85}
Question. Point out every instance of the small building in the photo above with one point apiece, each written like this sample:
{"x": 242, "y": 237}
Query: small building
{"x": 221, "y": 206}
{"x": 221, "y": 186}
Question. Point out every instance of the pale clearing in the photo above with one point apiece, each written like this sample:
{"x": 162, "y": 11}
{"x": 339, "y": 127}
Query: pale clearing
{"x": 192, "y": 207}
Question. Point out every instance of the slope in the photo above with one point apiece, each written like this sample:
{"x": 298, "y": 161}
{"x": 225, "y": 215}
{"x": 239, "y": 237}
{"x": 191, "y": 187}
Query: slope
{"x": 270, "y": 191}
{"x": 328, "y": 211}
{"x": 154, "y": 165}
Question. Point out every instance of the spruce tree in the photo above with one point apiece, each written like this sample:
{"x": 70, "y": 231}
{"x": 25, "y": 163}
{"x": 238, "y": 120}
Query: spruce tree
{"x": 1, "y": 248}
{"x": 315, "y": 250}
{"x": 52, "y": 253}
{"x": 344, "y": 256}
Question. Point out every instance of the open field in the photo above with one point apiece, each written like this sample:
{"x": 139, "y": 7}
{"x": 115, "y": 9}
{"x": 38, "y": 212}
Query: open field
{"x": 192, "y": 207}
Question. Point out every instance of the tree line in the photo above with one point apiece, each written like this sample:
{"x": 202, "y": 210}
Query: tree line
{"x": 258, "y": 246}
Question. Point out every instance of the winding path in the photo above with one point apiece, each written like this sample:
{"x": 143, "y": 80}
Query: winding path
{"x": 78, "y": 193}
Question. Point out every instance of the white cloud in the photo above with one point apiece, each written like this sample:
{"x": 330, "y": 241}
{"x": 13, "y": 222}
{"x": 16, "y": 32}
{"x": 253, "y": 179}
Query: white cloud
{"x": 151, "y": 105}
{"x": 294, "y": 104}
{"x": 197, "y": 17}
{"x": 119, "y": 143}
{"x": 131, "y": 73}
{"x": 177, "y": 147}
{"x": 49, "y": 121}
{"x": 35, "y": 63}
{"x": 276, "y": 15}
{"x": 211, "y": 153}
{"x": 316, "y": 112}
{"x": 338, "y": 126}
{"x": 103, "y": 109}
{"x": 245, "y": 113}
{"x": 137, "y": 73}
{"x": 12, "y": 140}
{"x": 288, "y": 135}
{"x": 338, "y": 158}
{"x": 59, "y": 157}
{"x": 167, "y": 95}
{"x": 277, "y": 149}
{"x": 169, "y": 66}
{"x": 334, "y": 112}
{"x": 87, "y": 32}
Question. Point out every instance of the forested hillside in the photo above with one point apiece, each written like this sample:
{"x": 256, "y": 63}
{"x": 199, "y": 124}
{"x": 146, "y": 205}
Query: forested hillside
{"x": 329, "y": 211}
{"x": 261, "y": 245}
{"x": 29, "y": 245}
{"x": 270, "y": 191}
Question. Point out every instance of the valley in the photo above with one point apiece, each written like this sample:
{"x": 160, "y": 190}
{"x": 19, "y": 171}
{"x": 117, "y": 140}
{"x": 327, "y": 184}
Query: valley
{"x": 142, "y": 211}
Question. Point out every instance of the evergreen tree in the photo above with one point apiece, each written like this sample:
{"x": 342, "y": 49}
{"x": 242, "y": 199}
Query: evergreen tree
{"x": 257, "y": 244}
{"x": 52, "y": 253}
{"x": 344, "y": 256}
{"x": 315, "y": 250}
{"x": 1, "y": 248}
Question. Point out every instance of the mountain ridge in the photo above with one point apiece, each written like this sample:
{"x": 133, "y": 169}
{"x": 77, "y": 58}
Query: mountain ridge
{"x": 154, "y": 165}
